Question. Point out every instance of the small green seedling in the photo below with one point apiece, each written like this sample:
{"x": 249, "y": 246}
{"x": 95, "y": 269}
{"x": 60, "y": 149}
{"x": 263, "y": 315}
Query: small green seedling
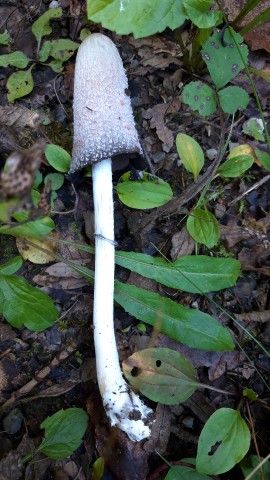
{"x": 21, "y": 83}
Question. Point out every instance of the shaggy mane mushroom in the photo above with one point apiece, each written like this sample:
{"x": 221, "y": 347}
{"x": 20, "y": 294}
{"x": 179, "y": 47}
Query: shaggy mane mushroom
{"x": 104, "y": 127}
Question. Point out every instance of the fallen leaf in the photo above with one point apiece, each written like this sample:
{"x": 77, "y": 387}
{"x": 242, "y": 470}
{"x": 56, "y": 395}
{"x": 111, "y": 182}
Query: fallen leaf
{"x": 157, "y": 116}
{"x": 32, "y": 253}
{"x": 18, "y": 117}
{"x": 182, "y": 244}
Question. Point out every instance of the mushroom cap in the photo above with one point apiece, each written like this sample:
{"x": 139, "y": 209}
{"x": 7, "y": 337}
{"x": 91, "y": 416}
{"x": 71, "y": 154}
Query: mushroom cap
{"x": 103, "y": 119}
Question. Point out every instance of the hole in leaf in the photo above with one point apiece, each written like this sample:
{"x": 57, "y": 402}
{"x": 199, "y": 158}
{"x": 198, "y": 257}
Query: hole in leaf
{"x": 201, "y": 106}
{"x": 207, "y": 56}
{"x": 208, "y": 98}
{"x": 196, "y": 98}
{"x": 158, "y": 363}
{"x": 231, "y": 45}
{"x": 213, "y": 43}
{"x": 234, "y": 68}
{"x": 214, "y": 448}
{"x": 136, "y": 371}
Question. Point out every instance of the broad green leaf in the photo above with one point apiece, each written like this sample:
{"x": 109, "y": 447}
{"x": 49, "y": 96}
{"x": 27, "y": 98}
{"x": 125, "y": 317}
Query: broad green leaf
{"x": 198, "y": 11}
{"x": 21, "y": 304}
{"x": 190, "y": 154}
{"x": 189, "y": 326}
{"x": 58, "y": 158}
{"x": 254, "y": 128}
{"x": 203, "y": 227}
{"x": 4, "y": 38}
{"x": 142, "y": 18}
{"x": 232, "y": 99}
{"x": 179, "y": 472}
{"x": 249, "y": 463}
{"x": 33, "y": 229}
{"x": 249, "y": 393}
{"x": 200, "y": 97}
{"x": 195, "y": 274}
{"x": 94, "y": 6}
{"x": 161, "y": 374}
{"x": 19, "y": 84}
{"x": 235, "y": 166}
{"x": 15, "y": 59}
{"x": 56, "y": 179}
{"x": 63, "y": 432}
{"x": 223, "y": 442}
{"x": 224, "y": 62}
{"x": 6, "y": 209}
{"x": 12, "y": 266}
{"x": 147, "y": 192}
{"x": 61, "y": 50}
{"x": 98, "y": 468}
{"x": 264, "y": 159}
{"x": 41, "y": 26}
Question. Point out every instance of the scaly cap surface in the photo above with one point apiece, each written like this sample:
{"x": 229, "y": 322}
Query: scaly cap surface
{"x": 103, "y": 119}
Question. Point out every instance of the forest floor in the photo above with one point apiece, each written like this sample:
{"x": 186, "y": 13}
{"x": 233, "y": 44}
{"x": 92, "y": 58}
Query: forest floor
{"x": 43, "y": 372}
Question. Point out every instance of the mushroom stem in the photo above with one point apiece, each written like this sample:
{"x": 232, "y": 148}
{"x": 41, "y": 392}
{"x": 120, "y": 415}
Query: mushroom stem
{"x": 123, "y": 407}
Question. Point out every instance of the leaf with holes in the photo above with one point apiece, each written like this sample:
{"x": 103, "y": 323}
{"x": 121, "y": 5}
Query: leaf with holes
{"x": 161, "y": 374}
{"x": 222, "y": 57}
{"x": 235, "y": 166}
{"x": 203, "y": 227}
{"x": 189, "y": 326}
{"x": 58, "y": 158}
{"x": 19, "y": 84}
{"x": 141, "y": 18}
{"x": 41, "y": 26}
{"x": 223, "y": 442}
{"x": 190, "y": 154}
{"x": 147, "y": 191}
{"x": 15, "y": 59}
{"x": 232, "y": 99}
{"x": 200, "y": 98}
{"x": 195, "y": 274}
{"x": 199, "y": 13}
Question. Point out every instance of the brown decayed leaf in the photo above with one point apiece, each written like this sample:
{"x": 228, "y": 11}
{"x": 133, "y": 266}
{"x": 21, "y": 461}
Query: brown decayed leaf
{"x": 182, "y": 244}
{"x": 157, "y": 115}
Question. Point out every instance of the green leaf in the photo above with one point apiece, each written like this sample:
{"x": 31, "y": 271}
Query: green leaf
{"x": 223, "y": 442}
{"x": 12, "y": 266}
{"x": 224, "y": 62}
{"x": 4, "y": 38}
{"x": 35, "y": 229}
{"x": 148, "y": 192}
{"x": 41, "y": 26}
{"x": 248, "y": 464}
{"x": 19, "y": 84}
{"x": 56, "y": 179}
{"x": 264, "y": 159}
{"x": 263, "y": 17}
{"x": 249, "y": 393}
{"x": 235, "y": 166}
{"x": 58, "y": 158}
{"x": 141, "y": 18}
{"x": 98, "y": 468}
{"x": 179, "y": 472}
{"x": 190, "y": 154}
{"x": 232, "y": 99}
{"x": 15, "y": 59}
{"x": 194, "y": 274}
{"x": 198, "y": 11}
{"x": 189, "y": 326}
{"x": 203, "y": 227}
{"x": 61, "y": 50}
{"x": 161, "y": 374}
{"x": 200, "y": 98}
{"x": 6, "y": 209}
{"x": 63, "y": 432}
{"x": 21, "y": 304}
{"x": 254, "y": 128}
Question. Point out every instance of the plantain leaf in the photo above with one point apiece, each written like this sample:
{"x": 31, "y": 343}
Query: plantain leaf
{"x": 190, "y": 154}
{"x": 146, "y": 192}
{"x": 235, "y": 166}
{"x": 161, "y": 374}
{"x": 14, "y": 59}
{"x": 189, "y": 326}
{"x": 195, "y": 274}
{"x": 203, "y": 227}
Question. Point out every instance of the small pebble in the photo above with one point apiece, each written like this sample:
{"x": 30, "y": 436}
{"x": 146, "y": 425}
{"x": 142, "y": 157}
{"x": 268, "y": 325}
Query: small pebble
{"x": 13, "y": 421}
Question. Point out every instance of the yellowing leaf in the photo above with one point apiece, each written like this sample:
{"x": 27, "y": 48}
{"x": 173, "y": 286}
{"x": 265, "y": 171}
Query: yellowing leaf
{"x": 190, "y": 154}
{"x": 32, "y": 253}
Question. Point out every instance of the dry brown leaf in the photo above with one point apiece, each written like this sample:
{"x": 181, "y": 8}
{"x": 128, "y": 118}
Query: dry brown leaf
{"x": 157, "y": 115}
{"x": 18, "y": 117}
{"x": 182, "y": 244}
{"x": 61, "y": 276}
{"x": 261, "y": 317}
